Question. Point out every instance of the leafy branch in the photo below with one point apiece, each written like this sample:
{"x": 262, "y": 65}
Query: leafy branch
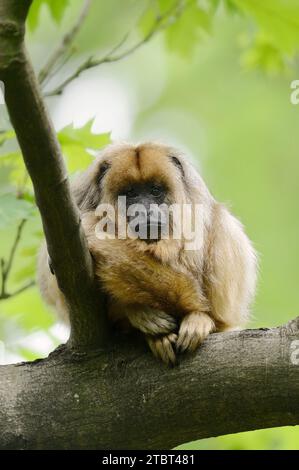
{"x": 65, "y": 44}
{"x": 162, "y": 21}
{"x": 6, "y": 267}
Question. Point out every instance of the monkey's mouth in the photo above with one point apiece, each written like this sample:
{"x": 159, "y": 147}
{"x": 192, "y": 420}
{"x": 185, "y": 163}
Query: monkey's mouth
{"x": 150, "y": 232}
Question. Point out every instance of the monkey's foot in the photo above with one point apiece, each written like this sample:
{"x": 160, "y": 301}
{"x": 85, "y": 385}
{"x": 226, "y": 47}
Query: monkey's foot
{"x": 153, "y": 322}
{"x": 194, "y": 328}
{"x": 162, "y": 347}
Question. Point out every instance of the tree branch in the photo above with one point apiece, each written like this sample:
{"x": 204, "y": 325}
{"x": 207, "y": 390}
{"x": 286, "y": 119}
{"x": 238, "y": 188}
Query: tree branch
{"x": 66, "y": 42}
{"x": 161, "y": 22}
{"x": 237, "y": 382}
{"x": 42, "y": 155}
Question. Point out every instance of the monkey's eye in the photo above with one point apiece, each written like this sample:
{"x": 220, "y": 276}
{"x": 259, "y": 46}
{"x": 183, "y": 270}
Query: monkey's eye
{"x": 130, "y": 192}
{"x": 156, "y": 190}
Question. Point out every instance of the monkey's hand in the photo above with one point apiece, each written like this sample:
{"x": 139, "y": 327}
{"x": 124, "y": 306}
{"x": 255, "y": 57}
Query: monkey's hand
{"x": 160, "y": 330}
{"x": 163, "y": 347}
{"x": 195, "y": 327}
{"x": 152, "y": 322}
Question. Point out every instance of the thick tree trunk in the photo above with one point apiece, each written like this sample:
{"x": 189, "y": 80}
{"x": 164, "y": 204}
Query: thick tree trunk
{"x": 124, "y": 399}
{"x": 66, "y": 241}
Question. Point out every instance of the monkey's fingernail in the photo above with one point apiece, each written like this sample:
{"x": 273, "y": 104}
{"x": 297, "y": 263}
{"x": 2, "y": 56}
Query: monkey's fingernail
{"x": 181, "y": 348}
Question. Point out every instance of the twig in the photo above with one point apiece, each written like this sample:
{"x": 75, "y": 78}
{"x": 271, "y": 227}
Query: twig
{"x": 160, "y": 24}
{"x": 6, "y": 267}
{"x": 7, "y": 296}
{"x": 66, "y": 41}
{"x": 59, "y": 67}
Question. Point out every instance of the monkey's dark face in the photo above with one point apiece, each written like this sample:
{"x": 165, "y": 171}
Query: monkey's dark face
{"x": 144, "y": 198}
{"x": 146, "y": 175}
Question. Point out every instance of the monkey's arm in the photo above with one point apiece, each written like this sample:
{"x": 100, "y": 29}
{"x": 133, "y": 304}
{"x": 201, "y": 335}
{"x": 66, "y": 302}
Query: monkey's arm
{"x": 231, "y": 271}
{"x": 158, "y": 327}
{"x": 145, "y": 319}
{"x": 49, "y": 289}
{"x": 152, "y": 322}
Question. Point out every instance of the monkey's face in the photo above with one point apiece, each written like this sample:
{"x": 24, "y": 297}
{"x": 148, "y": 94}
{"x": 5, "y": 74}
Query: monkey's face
{"x": 148, "y": 179}
{"x": 143, "y": 180}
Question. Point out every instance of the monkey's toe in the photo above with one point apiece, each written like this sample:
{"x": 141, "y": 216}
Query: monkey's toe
{"x": 194, "y": 328}
{"x": 162, "y": 347}
{"x": 153, "y": 322}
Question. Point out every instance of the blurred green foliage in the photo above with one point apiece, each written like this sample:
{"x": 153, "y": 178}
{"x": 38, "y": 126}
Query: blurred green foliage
{"x": 216, "y": 82}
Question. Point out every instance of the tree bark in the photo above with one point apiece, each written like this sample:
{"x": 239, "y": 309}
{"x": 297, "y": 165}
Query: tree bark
{"x": 66, "y": 242}
{"x": 124, "y": 399}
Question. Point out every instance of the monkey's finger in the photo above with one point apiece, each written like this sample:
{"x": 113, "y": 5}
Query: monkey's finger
{"x": 194, "y": 329}
{"x": 153, "y": 322}
{"x": 162, "y": 348}
{"x": 173, "y": 337}
{"x": 167, "y": 350}
{"x": 182, "y": 342}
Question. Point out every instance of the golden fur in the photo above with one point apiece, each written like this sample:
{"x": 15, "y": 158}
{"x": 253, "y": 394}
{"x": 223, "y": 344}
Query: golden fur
{"x": 176, "y": 297}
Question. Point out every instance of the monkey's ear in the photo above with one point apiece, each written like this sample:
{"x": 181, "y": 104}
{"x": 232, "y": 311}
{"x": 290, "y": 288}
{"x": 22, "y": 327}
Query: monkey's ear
{"x": 104, "y": 167}
{"x": 87, "y": 187}
{"x": 86, "y": 192}
{"x": 177, "y": 163}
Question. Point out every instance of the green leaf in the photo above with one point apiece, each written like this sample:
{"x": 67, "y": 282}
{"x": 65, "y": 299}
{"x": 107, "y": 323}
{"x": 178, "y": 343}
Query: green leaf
{"x": 83, "y": 136}
{"x": 185, "y": 33}
{"x": 278, "y": 19}
{"x": 264, "y": 55}
{"x": 147, "y": 21}
{"x": 75, "y": 144}
{"x": 160, "y": 13}
{"x": 57, "y": 9}
{"x": 13, "y": 209}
